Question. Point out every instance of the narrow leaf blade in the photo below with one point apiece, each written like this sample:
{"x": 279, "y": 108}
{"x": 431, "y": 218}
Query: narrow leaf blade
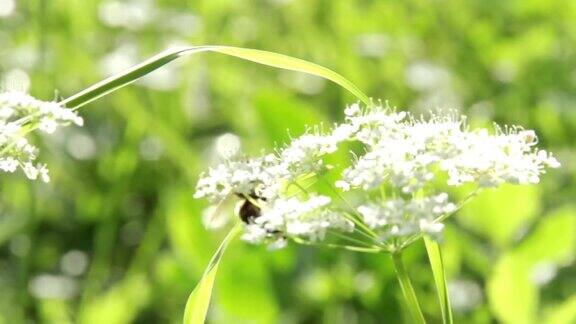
{"x": 290, "y": 63}
{"x": 437, "y": 265}
{"x": 199, "y": 300}
{"x": 276, "y": 60}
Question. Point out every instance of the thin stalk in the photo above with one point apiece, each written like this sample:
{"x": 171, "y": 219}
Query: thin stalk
{"x": 407, "y": 290}
{"x": 366, "y": 233}
{"x": 382, "y": 193}
{"x": 353, "y": 219}
{"x": 460, "y": 205}
{"x": 295, "y": 183}
{"x": 300, "y": 187}
{"x": 338, "y": 246}
{"x": 353, "y": 240}
{"x": 363, "y": 233}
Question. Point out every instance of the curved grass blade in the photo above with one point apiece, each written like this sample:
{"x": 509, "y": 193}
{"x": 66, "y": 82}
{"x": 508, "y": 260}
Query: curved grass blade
{"x": 410, "y": 299}
{"x": 199, "y": 300}
{"x": 437, "y": 266}
{"x": 258, "y": 56}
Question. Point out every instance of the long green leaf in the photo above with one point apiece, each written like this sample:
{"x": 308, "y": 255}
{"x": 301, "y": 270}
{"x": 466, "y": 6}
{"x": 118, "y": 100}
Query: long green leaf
{"x": 199, "y": 300}
{"x": 437, "y": 265}
{"x": 410, "y": 299}
{"x": 262, "y": 57}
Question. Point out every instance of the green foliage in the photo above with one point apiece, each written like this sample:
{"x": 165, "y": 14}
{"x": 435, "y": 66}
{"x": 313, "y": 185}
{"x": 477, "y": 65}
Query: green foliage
{"x": 120, "y": 304}
{"x": 505, "y": 212}
{"x": 437, "y": 265}
{"x": 513, "y": 297}
{"x": 513, "y": 283}
{"x": 199, "y": 300}
{"x": 121, "y": 191}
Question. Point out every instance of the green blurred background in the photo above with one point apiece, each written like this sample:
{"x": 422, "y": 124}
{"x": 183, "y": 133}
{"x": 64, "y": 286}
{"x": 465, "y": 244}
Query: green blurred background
{"x": 116, "y": 236}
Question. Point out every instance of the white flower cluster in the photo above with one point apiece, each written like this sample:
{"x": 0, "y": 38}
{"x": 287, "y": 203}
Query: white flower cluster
{"x": 405, "y": 152}
{"x": 400, "y": 217}
{"x": 303, "y": 155}
{"x": 403, "y": 155}
{"x": 20, "y": 114}
{"x": 292, "y": 217}
{"x": 264, "y": 180}
{"x": 240, "y": 177}
{"x": 269, "y": 174}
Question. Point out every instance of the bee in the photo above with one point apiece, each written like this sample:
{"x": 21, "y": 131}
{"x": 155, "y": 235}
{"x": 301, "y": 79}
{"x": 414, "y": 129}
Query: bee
{"x": 247, "y": 210}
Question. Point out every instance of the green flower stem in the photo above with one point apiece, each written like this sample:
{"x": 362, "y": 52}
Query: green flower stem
{"x": 354, "y": 240}
{"x": 407, "y": 290}
{"x": 338, "y": 246}
{"x": 356, "y": 221}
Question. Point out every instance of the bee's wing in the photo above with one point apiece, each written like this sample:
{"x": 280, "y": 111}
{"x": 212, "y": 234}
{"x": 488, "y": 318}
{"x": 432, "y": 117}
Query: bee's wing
{"x": 212, "y": 215}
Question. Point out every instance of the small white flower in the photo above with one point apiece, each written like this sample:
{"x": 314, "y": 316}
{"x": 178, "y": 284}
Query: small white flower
{"x": 352, "y": 110}
{"x": 48, "y": 125}
{"x": 8, "y": 164}
{"x": 43, "y": 171}
{"x": 30, "y": 170}
{"x": 431, "y": 228}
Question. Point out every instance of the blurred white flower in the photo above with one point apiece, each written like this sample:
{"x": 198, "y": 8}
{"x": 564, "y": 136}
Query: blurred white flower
{"x": 228, "y": 145}
{"x": 543, "y": 272}
{"x": 74, "y": 263}
{"x": 20, "y": 114}
{"x": 47, "y": 286}
{"x": 303, "y": 83}
{"x": 151, "y": 148}
{"x": 7, "y": 7}
{"x": 132, "y": 15}
{"x": 426, "y": 76}
{"x": 464, "y": 294}
{"x": 81, "y": 146}
{"x": 372, "y": 45}
{"x": 16, "y": 79}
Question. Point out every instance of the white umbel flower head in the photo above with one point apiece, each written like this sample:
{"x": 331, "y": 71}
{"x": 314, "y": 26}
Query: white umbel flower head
{"x": 21, "y": 113}
{"x": 398, "y": 180}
